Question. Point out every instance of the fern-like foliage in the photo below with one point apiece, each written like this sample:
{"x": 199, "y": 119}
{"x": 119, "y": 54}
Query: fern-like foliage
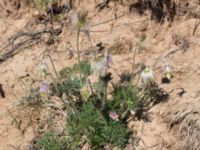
{"x": 98, "y": 131}
{"x": 86, "y": 122}
{"x": 125, "y": 98}
{"x": 73, "y": 71}
{"x": 51, "y": 141}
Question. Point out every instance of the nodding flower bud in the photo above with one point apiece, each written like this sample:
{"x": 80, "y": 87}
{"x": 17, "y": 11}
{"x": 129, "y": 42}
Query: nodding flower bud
{"x": 43, "y": 90}
{"x": 147, "y": 77}
{"x": 167, "y": 71}
{"x": 43, "y": 69}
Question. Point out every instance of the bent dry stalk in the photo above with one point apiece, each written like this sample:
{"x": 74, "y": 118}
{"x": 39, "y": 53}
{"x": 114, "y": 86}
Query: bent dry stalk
{"x": 54, "y": 68}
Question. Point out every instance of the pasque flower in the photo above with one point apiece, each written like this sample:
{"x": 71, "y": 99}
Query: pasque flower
{"x": 101, "y": 64}
{"x": 147, "y": 77}
{"x": 44, "y": 89}
{"x": 167, "y": 71}
{"x": 79, "y": 22}
{"x": 113, "y": 115}
{"x": 43, "y": 69}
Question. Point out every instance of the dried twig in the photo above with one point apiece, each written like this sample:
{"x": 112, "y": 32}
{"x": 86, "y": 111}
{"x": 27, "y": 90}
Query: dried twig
{"x": 197, "y": 22}
{"x": 28, "y": 39}
{"x": 180, "y": 118}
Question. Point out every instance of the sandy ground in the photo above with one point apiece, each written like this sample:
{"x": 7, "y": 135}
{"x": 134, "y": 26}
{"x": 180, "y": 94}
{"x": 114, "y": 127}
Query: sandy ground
{"x": 157, "y": 134}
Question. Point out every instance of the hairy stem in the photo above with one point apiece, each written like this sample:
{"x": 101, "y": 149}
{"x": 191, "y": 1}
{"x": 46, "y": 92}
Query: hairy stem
{"x": 78, "y": 58}
{"x": 133, "y": 66}
{"x": 54, "y": 68}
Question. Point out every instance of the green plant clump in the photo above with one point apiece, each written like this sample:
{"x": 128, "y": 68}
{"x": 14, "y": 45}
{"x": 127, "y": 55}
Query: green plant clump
{"x": 125, "y": 98}
{"x": 85, "y": 68}
{"x": 70, "y": 84}
{"x": 73, "y": 71}
{"x": 70, "y": 79}
{"x": 86, "y": 122}
{"x": 117, "y": 134}
{"x": 98, "y": 132}
{"x": 50, "y": 141}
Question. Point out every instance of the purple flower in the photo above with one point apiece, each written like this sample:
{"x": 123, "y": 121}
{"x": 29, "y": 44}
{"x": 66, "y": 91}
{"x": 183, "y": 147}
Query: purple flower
{"x": 113, "y": 115}
{"x": 101, "y": 64}
{"x": 147, "y": 77}
{"x": 167, "y": 68}
{"x": 167, "y": 71}
{"x": 43, "y": 89}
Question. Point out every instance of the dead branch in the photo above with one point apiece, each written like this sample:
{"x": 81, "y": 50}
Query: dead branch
{"x": 180, "y": 118}
{"x": 27, "y": 39}
{"x": 196, "y": 26}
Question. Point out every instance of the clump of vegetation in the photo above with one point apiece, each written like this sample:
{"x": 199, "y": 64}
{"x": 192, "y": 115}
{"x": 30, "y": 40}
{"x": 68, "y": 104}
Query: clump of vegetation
{"x": 90, "y": 124}
{"x": 89, "y": 121}
{"x": 125, "y": 100}
{"x": 87, "y": 125}
{"x": 74, "y": 70}
{"x": 51, "y": 141}
{"x": 71, "y": 81}
{"x": 117, "y": 134}
{"x": 92, "y": 118}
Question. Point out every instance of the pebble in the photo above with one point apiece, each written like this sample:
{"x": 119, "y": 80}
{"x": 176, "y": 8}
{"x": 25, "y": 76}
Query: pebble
{"x": 36, "y": 13}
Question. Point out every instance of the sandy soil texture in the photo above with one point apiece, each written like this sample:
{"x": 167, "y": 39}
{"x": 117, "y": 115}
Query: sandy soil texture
{"x": 171, "y": 125}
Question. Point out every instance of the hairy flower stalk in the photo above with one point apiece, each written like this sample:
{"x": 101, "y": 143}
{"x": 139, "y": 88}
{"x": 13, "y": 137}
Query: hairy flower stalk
{"x": 79, "y": 23}
{"x": 78, "y": 53}
{"x": 133, "y": 66}
{"x": 147, "y": 77}
{"x": 54, "y": 68}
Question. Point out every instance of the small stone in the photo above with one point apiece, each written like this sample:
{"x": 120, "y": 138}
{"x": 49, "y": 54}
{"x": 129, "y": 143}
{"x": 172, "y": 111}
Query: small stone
{"x": 69, "y": 55}
{"x": 3, "y": 26}
{"x": 36, "y": 13}
{"x": 86, "y": 146}
{"x": 133, "y": 112}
